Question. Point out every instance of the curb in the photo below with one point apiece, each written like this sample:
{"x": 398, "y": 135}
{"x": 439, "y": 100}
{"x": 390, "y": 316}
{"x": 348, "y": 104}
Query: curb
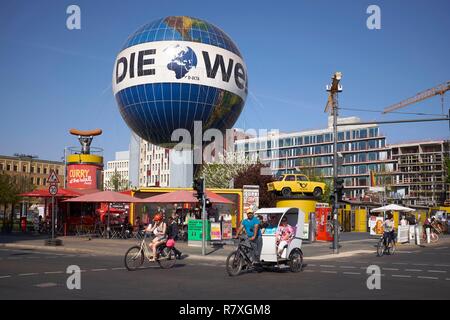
{"x": 46, "y": 248}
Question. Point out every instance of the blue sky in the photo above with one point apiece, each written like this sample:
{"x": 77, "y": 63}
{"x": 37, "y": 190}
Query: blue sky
{"x": 53, "y": 79}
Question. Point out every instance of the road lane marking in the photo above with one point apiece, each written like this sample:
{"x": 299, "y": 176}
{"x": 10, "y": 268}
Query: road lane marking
{"x": 400, "y": 276}
{"x": 351, "y": 272}
{"x": 441, "y": 265}
{"x": 433, "y": 278}
{"x": 437, "y": 271}
{"x": 53, "y": 272}
{"x": 2, "y": 277}
{"x": 121, "y": 268}
{"x": 347, "y": 267}
{"x": 27, "y": 274}
{"x": 440, "y": 248}
{"x": 328, "y": 271}
{"x": 414, "y": 270}
{"x": 327, "y": 266}
{"x": 420, "y": 264}
{"x": 399, "y": 263}
{"x": 94, "y": 270}
{"x": 391, "y": 269}
{"x": 311, "y": 264}
{"x": 46, "y": 285}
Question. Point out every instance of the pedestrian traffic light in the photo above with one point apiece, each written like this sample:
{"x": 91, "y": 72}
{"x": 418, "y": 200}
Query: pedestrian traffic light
{"x": 198, "y": 186}
{"x": 339, "y": 189}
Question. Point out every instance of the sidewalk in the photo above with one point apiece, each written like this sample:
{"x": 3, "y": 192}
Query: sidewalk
{"x": 351, "y": 244}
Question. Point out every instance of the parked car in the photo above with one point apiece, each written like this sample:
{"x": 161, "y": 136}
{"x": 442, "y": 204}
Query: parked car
{"x": 296, "y": 183}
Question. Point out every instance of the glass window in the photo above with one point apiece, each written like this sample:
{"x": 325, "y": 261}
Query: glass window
{"x": 320, "y": 139}
{"x": 340, "y": 136}
{"x": 307, "y": 140}
{"x": 301, "y": 178}
{"x": 290, "y": 178}
{"x": 363, "y": 133}
{"x": 347, "y": 135}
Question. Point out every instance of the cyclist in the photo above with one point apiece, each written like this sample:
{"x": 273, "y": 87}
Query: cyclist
{"x": 252, "y": 228}
{"x": 388, "y": 226}
{"x": 158, "y": 228}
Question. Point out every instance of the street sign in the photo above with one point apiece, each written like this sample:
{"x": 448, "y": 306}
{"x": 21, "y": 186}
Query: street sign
{"x": 53, "y": 189}
{"x": 52, "y": 178}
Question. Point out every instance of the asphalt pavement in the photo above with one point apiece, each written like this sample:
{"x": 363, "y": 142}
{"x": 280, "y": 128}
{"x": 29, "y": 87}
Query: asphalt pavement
{"x": 413, "y": 272}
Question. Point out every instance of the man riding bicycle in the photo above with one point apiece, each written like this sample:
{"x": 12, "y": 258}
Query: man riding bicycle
{"x": 251, "y": 226}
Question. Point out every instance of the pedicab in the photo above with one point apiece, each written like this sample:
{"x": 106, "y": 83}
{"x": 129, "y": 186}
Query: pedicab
{"x": 291, "y": 256}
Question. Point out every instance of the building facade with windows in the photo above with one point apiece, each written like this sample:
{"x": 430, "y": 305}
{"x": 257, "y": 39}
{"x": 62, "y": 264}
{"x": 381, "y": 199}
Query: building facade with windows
{"x": 119, "y": 165}
{"x": 361, "y": 149}
{"x": 36, "y": 170}
{"x": 154, "y": 165}
{"x": 420, "y": 173}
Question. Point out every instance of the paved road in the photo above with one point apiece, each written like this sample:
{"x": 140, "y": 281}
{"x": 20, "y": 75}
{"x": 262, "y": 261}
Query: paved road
{"x": 412, "y": 273}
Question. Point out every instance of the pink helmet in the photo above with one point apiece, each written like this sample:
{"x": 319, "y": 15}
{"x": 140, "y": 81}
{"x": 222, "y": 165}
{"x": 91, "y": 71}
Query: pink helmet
{"x": 170, "y": 243}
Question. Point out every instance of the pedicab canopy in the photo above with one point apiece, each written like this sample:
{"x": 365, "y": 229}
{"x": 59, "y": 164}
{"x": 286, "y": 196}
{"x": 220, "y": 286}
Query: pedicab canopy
{"x": 392, "y": 207}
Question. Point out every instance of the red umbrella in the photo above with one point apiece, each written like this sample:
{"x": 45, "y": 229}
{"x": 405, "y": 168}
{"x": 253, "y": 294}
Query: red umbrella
{"x": 43, "y": 193}
{"x": 215, "y": 198}
{"x": 104, "y": 196}
{"x": 172, "y": 197}
{"x": 184, "y": 196}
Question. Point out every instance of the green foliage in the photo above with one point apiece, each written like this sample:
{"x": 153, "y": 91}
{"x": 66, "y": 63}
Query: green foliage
{"x": 220, "y": 174}
{"x": 252, "y": 176}
{"x": 117, "y": 183}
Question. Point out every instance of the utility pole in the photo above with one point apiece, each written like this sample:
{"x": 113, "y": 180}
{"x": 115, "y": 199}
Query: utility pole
{"x": 332, "y": 105}
{"x": 204, "y": 219}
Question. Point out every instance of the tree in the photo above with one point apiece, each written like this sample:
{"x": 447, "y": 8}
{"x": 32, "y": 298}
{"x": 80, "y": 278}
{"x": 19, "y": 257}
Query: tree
{"x": 220, "y": 174}
{"x": 311, "y": 173}
{"x": 251, "y": 175}
{"x": 117, "y": 182}
{"x": 10, "y": 188}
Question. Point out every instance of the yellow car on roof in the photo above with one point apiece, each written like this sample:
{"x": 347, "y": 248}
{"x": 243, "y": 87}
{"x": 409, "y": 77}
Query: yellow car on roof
{"x": 296, "y": 183}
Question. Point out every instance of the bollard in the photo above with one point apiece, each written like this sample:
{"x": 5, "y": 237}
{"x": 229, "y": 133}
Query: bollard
{"x": 428, "y": 235}
{"x": 416, "y": 231}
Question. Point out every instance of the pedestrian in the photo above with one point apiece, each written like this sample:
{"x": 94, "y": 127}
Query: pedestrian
{"x": 172, "y": 233}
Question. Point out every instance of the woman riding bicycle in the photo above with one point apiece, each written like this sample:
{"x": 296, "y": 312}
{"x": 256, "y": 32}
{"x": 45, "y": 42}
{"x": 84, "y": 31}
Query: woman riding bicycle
{"x": 388, "y": 226}
{"x": 158, "y": 228}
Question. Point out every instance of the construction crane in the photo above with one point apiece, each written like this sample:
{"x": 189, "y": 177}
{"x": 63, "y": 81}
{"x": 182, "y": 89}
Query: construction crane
{"x": 438, "y": 90}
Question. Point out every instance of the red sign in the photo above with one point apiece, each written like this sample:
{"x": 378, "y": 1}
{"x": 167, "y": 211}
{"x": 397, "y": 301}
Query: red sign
{"x": 82, "y": 176}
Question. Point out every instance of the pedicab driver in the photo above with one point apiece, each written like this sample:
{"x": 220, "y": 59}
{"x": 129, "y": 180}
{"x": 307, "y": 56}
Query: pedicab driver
{"x": 251, "y": 226}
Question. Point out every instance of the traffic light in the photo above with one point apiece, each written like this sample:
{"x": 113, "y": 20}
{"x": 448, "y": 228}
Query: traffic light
{"x": 208, "y": 203}
{"x": 198, "y": 186}
{"x": 339, "y": 188}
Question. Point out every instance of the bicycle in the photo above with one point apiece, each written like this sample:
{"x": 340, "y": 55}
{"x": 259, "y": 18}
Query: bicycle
{"x": 384, "y": 247}
{"x": 434, "y": 234}
{"x": 240, "y": 258}
{"x": 134, "y": 257}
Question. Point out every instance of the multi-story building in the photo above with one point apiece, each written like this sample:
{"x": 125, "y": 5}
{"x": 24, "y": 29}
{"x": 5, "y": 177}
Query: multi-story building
{"x": 35, "y": 169}
{"x": 154, "y": 165}
{"x": 362, "y": 148}
{"x": 120, "y": 166}
{"x": 420, "y": 172}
